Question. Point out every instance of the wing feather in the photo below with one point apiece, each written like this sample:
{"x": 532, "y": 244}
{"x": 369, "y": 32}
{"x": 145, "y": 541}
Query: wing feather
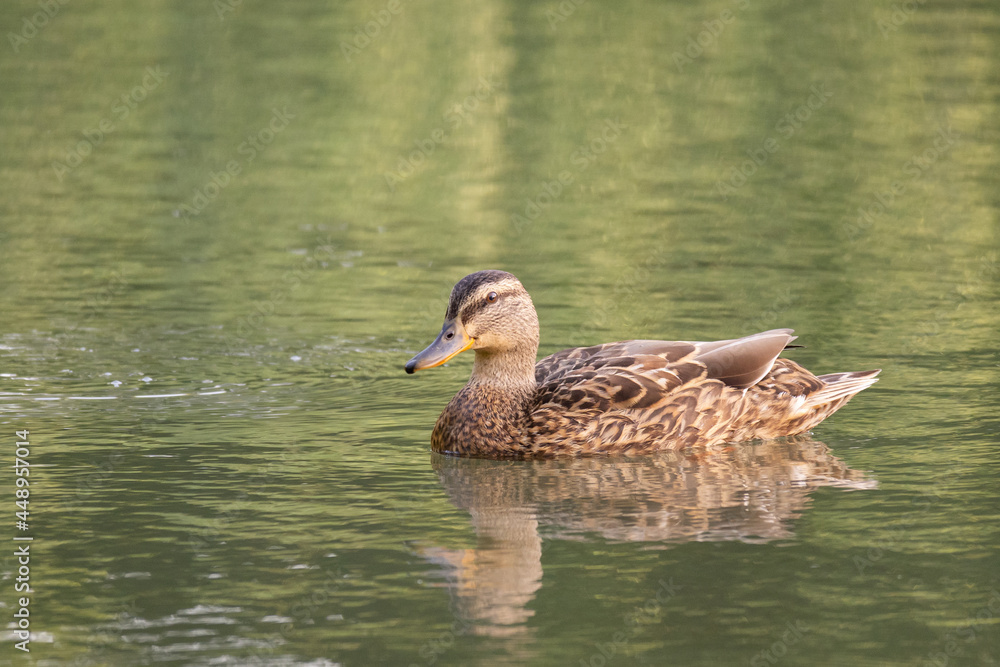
{"x": 743, "y": 362}
{"x": 634, "y": 394}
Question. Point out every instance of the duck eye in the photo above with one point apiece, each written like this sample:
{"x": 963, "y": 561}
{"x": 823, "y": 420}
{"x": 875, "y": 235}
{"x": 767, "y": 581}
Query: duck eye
{"x": 492, "y": 297}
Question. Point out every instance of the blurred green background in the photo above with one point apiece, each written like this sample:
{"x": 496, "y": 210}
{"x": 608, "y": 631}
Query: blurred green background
{"x": 226, "y": 225}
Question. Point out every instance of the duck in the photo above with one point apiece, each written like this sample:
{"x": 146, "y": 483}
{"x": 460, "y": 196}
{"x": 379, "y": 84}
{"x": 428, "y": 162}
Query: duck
{"x": 632, "y": 397}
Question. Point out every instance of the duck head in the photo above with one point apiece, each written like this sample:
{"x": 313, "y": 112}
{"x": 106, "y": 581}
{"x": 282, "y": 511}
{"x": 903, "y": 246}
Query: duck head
{"x": 489, "y": 312}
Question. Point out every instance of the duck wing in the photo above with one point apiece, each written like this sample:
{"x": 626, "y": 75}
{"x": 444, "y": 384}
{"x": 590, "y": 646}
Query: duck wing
{"x": 739, "y": 362}
{"x": 629, "y": 396}
{"x": 743, "y": 362}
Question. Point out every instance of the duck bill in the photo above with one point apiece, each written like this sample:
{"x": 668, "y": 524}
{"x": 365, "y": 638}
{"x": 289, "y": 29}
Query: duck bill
{"x": 451, "y": 341}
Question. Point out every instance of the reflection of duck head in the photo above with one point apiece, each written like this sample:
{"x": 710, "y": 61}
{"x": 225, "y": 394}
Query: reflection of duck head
{"x": 747, "y": 492}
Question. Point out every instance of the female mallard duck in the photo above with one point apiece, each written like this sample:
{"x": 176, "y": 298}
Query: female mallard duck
{"x": 632, "y": 397}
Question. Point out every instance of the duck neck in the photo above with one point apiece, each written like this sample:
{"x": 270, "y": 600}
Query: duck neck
{"x": 511, "y": 371}
{"x": 489, "y": 416}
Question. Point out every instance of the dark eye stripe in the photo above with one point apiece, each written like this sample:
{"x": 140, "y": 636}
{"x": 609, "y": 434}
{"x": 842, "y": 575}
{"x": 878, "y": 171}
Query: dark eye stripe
{"x": 470, "y": 310}
{"x": 478, "y": 305}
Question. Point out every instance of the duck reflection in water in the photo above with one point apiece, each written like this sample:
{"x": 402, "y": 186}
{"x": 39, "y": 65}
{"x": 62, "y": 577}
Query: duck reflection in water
{"x": 750, "y": 492}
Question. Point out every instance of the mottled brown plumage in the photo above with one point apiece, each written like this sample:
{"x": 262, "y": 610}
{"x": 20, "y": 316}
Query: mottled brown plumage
{"x": 631, "y": 397}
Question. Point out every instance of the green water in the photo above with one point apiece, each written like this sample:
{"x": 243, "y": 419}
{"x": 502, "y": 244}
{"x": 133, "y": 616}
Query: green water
{"x": 226, "y": 226}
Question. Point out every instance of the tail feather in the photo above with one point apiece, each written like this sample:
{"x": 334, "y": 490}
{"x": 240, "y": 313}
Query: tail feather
{"x": 841, "y": 386}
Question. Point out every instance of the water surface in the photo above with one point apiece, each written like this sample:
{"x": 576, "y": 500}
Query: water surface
{"x": 225, "y": 227}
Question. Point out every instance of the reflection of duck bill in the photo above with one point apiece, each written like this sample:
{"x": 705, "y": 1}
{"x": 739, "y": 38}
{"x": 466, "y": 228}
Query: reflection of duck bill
{"x": 451, "y": 341}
